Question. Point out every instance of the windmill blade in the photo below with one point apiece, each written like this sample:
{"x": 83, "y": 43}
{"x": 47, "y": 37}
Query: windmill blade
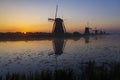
{"x": 87, "y": 24}
{"x": 50, "y": 19}
{"x": 56, "y": 11}
{"x": 64, "y": 27}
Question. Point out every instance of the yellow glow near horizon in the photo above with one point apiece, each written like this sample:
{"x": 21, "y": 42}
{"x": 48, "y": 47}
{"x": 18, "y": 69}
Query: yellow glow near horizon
{"x": 31, "y": 23}
{"x": 24, "y": 32}
{"x": 31, "y": 16}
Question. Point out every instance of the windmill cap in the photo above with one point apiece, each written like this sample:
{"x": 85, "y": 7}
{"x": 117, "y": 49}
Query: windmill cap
{"x": 59, "y": 19}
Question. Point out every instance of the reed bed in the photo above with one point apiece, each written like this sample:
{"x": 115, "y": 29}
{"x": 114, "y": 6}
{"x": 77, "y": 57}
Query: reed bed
{"x": 88, "y": 71}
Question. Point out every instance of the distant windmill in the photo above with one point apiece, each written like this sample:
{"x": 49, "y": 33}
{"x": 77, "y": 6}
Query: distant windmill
{"x": 97, "y": 31}
{"x": 58, "y": 26}
{"x": 87, "y": 29}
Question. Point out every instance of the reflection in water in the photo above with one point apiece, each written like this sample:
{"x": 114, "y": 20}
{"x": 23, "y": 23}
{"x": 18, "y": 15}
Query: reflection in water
{"x": 96, "y": 37}
{"x": 58, "y": 46}
{"x": 34, "y": 55}
{"x": 76, "y": 38}
{"x": 87, "y": 39}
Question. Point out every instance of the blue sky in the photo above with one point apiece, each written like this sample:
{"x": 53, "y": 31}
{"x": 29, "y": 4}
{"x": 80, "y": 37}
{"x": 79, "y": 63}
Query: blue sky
{"x": 18, "y": 14}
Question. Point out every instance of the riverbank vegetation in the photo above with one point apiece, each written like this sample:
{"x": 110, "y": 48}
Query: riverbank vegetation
{"x": 88, "y": 71}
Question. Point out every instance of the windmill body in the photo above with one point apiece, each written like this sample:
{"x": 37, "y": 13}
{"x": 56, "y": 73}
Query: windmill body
{"x": 87, "y": 29}
{"x": 58, "y": 27}
{"x": 87, "y": 32}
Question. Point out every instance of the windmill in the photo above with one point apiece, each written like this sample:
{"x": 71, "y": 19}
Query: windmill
{"x": 58, "y": 26}
{"x": 98, "y": 31}
{"x": 87, "y": 29}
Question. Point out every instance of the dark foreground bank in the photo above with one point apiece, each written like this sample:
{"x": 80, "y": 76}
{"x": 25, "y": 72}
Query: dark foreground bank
{"x": 88, "y": 71}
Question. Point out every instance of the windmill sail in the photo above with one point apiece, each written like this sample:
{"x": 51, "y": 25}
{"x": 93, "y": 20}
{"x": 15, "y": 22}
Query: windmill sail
{"x": 56, "y": 11}
{"x": 50, "y": 19}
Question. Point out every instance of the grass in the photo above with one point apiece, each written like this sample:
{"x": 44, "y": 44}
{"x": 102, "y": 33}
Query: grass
{"x": 88, "y": 71}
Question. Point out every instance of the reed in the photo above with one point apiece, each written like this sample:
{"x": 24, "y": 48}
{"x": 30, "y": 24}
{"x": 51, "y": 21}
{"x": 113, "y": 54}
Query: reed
{"x": 88, "y": 71}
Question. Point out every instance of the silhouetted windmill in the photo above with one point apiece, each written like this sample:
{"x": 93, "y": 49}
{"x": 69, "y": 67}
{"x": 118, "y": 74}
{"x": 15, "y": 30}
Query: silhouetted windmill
{"x": 96, "y": 31}
{"x": 87, "y": 29}
{"x": 58, "y": 26}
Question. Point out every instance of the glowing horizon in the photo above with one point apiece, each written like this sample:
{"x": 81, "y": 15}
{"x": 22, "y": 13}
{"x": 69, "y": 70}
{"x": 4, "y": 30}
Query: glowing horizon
{"x": 31, "y": 16}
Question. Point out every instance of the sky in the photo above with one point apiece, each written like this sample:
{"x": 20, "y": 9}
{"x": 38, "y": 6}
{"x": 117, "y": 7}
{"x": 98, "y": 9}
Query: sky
{"x": 32, "y": 15}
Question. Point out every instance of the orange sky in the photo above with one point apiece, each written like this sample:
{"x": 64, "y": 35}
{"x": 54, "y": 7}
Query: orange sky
{"x": 31, "y": 16}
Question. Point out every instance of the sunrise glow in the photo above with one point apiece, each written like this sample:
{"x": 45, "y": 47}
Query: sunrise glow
{"x": 32, "y": 16}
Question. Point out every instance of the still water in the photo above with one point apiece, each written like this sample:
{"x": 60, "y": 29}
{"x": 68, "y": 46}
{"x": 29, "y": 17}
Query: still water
{"x": 27, "y": 56}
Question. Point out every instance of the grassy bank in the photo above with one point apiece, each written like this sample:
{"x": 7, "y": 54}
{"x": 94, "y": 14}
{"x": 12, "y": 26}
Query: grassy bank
{"x": 88, "y": 71}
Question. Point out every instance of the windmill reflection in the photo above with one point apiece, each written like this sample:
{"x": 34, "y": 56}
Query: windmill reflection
{"x": 87, "y": 39}
{"x": 58, "y": 46}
